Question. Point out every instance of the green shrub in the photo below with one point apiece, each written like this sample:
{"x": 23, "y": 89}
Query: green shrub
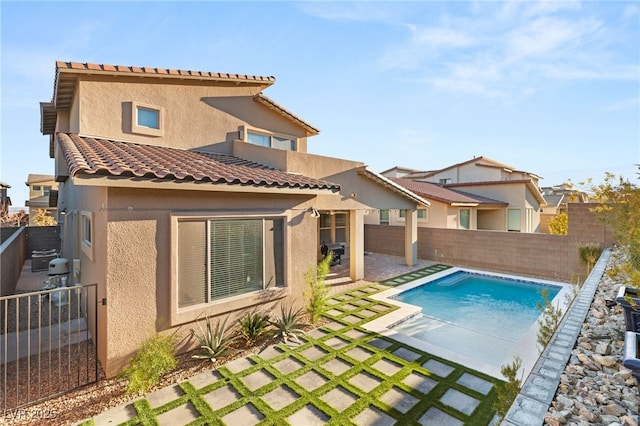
{"x": 253, "y": 325}
{"x": 153, "y": 359}
{"x": 289, "y": 324}
{"x": 551, "y": 316}
{"x": 316, "y": 294}
{"x": 509, "y": 390}
{"x": 214, "y": 341}
{"x": 589, "y": 255}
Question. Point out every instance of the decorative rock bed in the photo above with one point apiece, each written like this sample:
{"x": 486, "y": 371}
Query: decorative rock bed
{"x": 595, "y": 388}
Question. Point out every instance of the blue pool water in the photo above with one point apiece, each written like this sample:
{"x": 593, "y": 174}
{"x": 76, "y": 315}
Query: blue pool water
{"x": 486, "y": 315}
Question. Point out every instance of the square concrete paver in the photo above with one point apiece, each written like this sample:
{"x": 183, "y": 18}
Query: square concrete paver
{"x": 355, "y": 334}
{"x": 406, "y": 354}
{"x": 313, "y": 353}
{"x": 317, "y": 333}
{"x": 339, "y": 398}
{"x": 334, "y": 326}
{"x": 222, "y": 397}
{"x": 308, "y": 416}
{"x": 476, "y": 383}
{"x": 438, "y": 368}
{"x": 311, "y": 380}
{"x": 433, "y": 416}
{"x": 179, "y": 416}
{"x": 336, "y": 343}
{"x": 386, "y": 367}
{"x": 420, "y": 382}
{"x": 399, "y": 399}
{"x": 239, "y": 364}
{"x": 359, "y": 354}
{"x": 204, "y": 379}
{"x": 270, "y": 353}
{"x": 288, "y": 365}
{"x": 460, "y": 401}
{"x": 352, "y": 319}
{"x": 280, "y": 397}
{"x": 337, "y": 366}
{"x": 365, "y": 381}
{"x": 334, "y": 312}
{"x": 247, "y": 415}
{"x": 115, "y": 415}
{"x": 164, "y": 395}
{"x": 257, "y": 380}
{"x": 371, "y": 416}
{"x": 367, "y": 313}
{"x": 379, "y": 343}
{"x": 348, "y": 307}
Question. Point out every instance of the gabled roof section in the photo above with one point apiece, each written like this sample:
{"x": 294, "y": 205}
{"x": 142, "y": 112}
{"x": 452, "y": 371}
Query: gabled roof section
{"x": 437, "y": 192}
{"x": 385, "y": 181}
{"x": 481, "y": 161}
{"x": 67, "y": 74}
{"x": 260, "y": 98}
{"x": 90, "y": 156}
{"x": 528, "y": 182}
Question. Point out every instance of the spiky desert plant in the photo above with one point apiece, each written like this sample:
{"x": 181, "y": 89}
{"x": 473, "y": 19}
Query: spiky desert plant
{"x": 289, "y": 324}
{"x": 509, "y": 390}
{"x": 214, "y": 341}
{"x": 253, "y": 325}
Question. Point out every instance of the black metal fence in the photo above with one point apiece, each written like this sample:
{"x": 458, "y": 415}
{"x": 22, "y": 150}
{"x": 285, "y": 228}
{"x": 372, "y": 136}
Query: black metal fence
{"x": 46, "y": 346}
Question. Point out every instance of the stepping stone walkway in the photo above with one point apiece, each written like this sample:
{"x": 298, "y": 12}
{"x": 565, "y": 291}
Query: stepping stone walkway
{"x": 339, "y": 374}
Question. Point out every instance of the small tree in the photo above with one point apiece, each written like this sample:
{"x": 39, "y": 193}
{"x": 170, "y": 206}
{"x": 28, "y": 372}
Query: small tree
{"x": 551, "y": 316}
{"x": 559, "y": 224}
{"x": 508, "y": 391}
{"x": 589, "y": 255}
{"x": 42, "y": 218}
{"x": 317, "y": 293}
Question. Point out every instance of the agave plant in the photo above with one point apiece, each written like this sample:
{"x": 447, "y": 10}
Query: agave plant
{"x": 214, "y": 341}
{"x": 253, "y": 324}
{"x": 289, "y": 325}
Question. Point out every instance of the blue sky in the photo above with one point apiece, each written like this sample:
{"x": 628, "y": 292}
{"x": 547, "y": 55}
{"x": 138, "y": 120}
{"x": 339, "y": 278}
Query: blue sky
{"x": 552, "y": 88}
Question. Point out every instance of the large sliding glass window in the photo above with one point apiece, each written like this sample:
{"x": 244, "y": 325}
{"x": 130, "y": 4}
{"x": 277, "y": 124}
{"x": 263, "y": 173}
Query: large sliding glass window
{"x": 465, "y": 218}
{"x": 220, "y": 258}
{"x": 334, "y": 227}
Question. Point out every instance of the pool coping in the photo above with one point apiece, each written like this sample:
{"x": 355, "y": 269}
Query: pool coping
{"x": 539, "y": 389}
{"x": 527, "y": 349}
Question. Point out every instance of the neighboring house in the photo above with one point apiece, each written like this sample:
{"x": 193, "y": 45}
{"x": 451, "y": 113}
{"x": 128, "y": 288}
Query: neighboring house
{"x": 477, "y": 194}
{"x": 42, "y": 195}
{"x": 556, "y": 198}
{"x": 191, "y": 193}
{"x": 5, "y": 201}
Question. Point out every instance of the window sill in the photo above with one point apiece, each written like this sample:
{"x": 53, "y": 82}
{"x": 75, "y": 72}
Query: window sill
{"x": 227, "y": 305}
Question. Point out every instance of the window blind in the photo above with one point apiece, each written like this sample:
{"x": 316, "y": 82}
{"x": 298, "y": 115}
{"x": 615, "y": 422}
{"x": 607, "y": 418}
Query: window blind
{"x": 192, "y": 279}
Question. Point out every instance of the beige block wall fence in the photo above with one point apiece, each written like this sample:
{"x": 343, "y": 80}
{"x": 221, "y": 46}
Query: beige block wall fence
{"x": 554, "y": 257}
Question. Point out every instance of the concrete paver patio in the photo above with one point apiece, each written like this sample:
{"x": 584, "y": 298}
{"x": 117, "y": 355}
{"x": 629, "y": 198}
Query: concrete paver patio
{"x": 338, "y": 374}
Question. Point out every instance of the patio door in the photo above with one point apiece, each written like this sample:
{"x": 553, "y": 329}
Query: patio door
{"x": 334, "y": 227}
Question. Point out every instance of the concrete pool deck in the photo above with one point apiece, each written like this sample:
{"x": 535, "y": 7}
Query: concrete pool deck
{"x": 460, "y": 343}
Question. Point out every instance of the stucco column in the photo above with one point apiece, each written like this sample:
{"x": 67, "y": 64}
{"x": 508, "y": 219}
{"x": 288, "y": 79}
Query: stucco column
{"x": 411, "y": 236}
{"x": 356, "y": 245}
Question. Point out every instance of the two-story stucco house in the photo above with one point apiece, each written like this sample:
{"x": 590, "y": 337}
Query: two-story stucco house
{"x": 476, "y": 194}
{"x": 42, "y": 195}
{"x": 191, "y": 193}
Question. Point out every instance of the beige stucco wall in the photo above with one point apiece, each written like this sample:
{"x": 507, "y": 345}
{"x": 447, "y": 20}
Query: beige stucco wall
{"x": 195, "y": 116}
{"x": 141, "y": 255}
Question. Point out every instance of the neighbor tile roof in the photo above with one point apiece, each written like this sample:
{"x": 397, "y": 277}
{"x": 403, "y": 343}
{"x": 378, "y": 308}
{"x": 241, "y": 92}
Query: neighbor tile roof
{"x": 91, "y": 156}
{"x": 437, "y": 192}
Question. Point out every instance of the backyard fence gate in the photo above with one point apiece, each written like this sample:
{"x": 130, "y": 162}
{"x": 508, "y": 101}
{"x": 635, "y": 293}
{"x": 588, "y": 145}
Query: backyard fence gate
{"x": 46, "y": 347}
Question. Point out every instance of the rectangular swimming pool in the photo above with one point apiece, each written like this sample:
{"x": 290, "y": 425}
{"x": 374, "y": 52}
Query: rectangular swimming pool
{"x": 481, "y": 318}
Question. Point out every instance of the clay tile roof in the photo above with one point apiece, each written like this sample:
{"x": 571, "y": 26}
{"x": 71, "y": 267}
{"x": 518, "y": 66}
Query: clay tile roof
{"x": 437, "y": 192}
{"x": 90, "y": 156}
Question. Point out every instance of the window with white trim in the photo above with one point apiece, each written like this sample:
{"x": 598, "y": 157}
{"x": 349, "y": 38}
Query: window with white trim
{"x": 271, "y": 141}
{"x": 422, "y": 214}
{"x": 384, "y": 217}
{"x": 334, "y": 227}
{"x": 513, "y": 220}
{"x": 147, "y": 119}
{"x": 465, "y": 218}
{"x": 86, "y": 233}
{"x": 226, "y": 257}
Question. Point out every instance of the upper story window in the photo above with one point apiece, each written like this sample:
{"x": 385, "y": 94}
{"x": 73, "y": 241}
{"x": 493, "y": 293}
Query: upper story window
{"x": 147, "y": 119}
{"x": 384, "y": 217}
{"x": 271, "y": 141}
{"x": 444, "y": 181}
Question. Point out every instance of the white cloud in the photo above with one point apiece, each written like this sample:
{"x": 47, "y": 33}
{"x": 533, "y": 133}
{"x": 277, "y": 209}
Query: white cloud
{"x": 440, "y": 37}
{"x": 631, "y": 11}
